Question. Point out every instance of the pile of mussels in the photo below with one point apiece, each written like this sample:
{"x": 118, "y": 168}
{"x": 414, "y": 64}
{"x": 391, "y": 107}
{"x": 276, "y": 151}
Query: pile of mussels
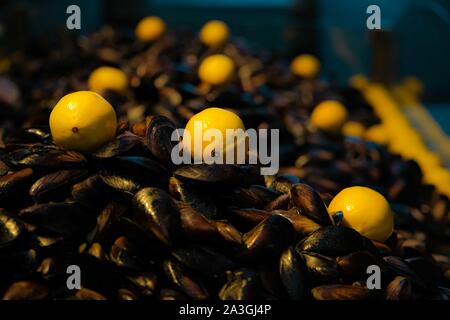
{"x": 139, "y": 227}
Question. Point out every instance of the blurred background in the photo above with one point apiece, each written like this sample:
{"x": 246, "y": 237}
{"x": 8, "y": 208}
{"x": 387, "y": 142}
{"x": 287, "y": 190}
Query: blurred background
{"x": 414, "y": 40}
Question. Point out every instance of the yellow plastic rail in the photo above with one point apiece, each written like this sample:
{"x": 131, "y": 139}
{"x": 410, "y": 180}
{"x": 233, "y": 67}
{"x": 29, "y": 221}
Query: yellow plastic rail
{"x": 404, "y": 139}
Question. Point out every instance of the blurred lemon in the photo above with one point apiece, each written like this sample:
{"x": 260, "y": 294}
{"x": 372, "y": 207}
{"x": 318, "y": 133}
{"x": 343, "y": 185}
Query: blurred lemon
{"x": 214, "y": 33}
{"x": 150, "y": 28}
{"x": 108, "y": 78}
{"x": 305, "y": 66}
{"x": 377, "y": 133}
{"x": 354, "y": 129}
{"x": 216, "y": 69}
{"x": 212, "y": 118}
{"x": 329, "y": 116}
{"x": 358, "y": 81}
{"x": 82, "y": 121}
{"x": 364, "y": 210}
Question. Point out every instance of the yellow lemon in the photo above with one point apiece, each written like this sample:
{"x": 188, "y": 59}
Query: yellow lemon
{"x": 305, "y": 66}
{"x": 216, "y": 69}
{"x": 358, "y": 81}
{"x": 377, "y": 133}
{"x": 212, "y": 118}
{"x": 108, "y": 78}
{"x": 214, "y": 33}
{"x": 353, "y": 128}
{"x": 150, "y": 28}
{"x": 366, "y": 211}
{"x": 82, "y": 121}
{"x": 329, "y": 116}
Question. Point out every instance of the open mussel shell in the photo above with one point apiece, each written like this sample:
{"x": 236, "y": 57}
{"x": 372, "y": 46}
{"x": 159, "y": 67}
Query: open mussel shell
{"x": 268, "y": 238}
{"x": 340, "y": 292}
{"x": 242, "y": 284}
{"x": 221, "y": 174}
{"x": 61, "y": 217}
{"x": 184, "y": 281}
{"x": 50, "y": 186}
{"x": 10, "y": 228}
{"x": 310, "y": 203}
{"x": 334, "y": 241}
{"x": 155, "y": 210}
{"x": 294, "y": 273}
{"x": 158, "y": 138}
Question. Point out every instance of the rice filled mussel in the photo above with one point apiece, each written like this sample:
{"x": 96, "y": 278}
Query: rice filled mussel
{"x": 141, "y": 227}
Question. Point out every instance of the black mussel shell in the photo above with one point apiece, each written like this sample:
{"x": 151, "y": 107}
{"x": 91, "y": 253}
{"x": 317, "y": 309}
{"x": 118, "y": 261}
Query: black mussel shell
{"x": 158, "y": 214}
{"x": 158, "y": 138}
{"x": 123, "y": 144}
{"x": 269, "y": 238}
{"x": 10, "y": 228}
{"x": 13, "y": 183}
{"x": 310, "y": 203}
{"x": 294, "y": 273}
{"x": 61, "y": 217}
{"x": 184, "y": 281}
{"x": 26, "y": 290}
{"x": 50, "y": 186}
{"x": 219, "y": 174}
{"x": 333, "y": 241}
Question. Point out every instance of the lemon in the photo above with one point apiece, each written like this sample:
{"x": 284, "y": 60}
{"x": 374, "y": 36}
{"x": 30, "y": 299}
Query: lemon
{"x": 364, "y": 210}
{"x": 214, "y": 33}
{"x": 329, "y": 116}
{"x": 377, "y": 133}
{"x": 353, "y": 128}
{"x": 305, "y": 66}
{"x": 358, "y": 81}
{"x": 108, "y": 78}
{"x": 216, "y": 69}
{"x": 150, "y": 29}
{"x": 212, "y": 118}
{"x": 82, "y": 121}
